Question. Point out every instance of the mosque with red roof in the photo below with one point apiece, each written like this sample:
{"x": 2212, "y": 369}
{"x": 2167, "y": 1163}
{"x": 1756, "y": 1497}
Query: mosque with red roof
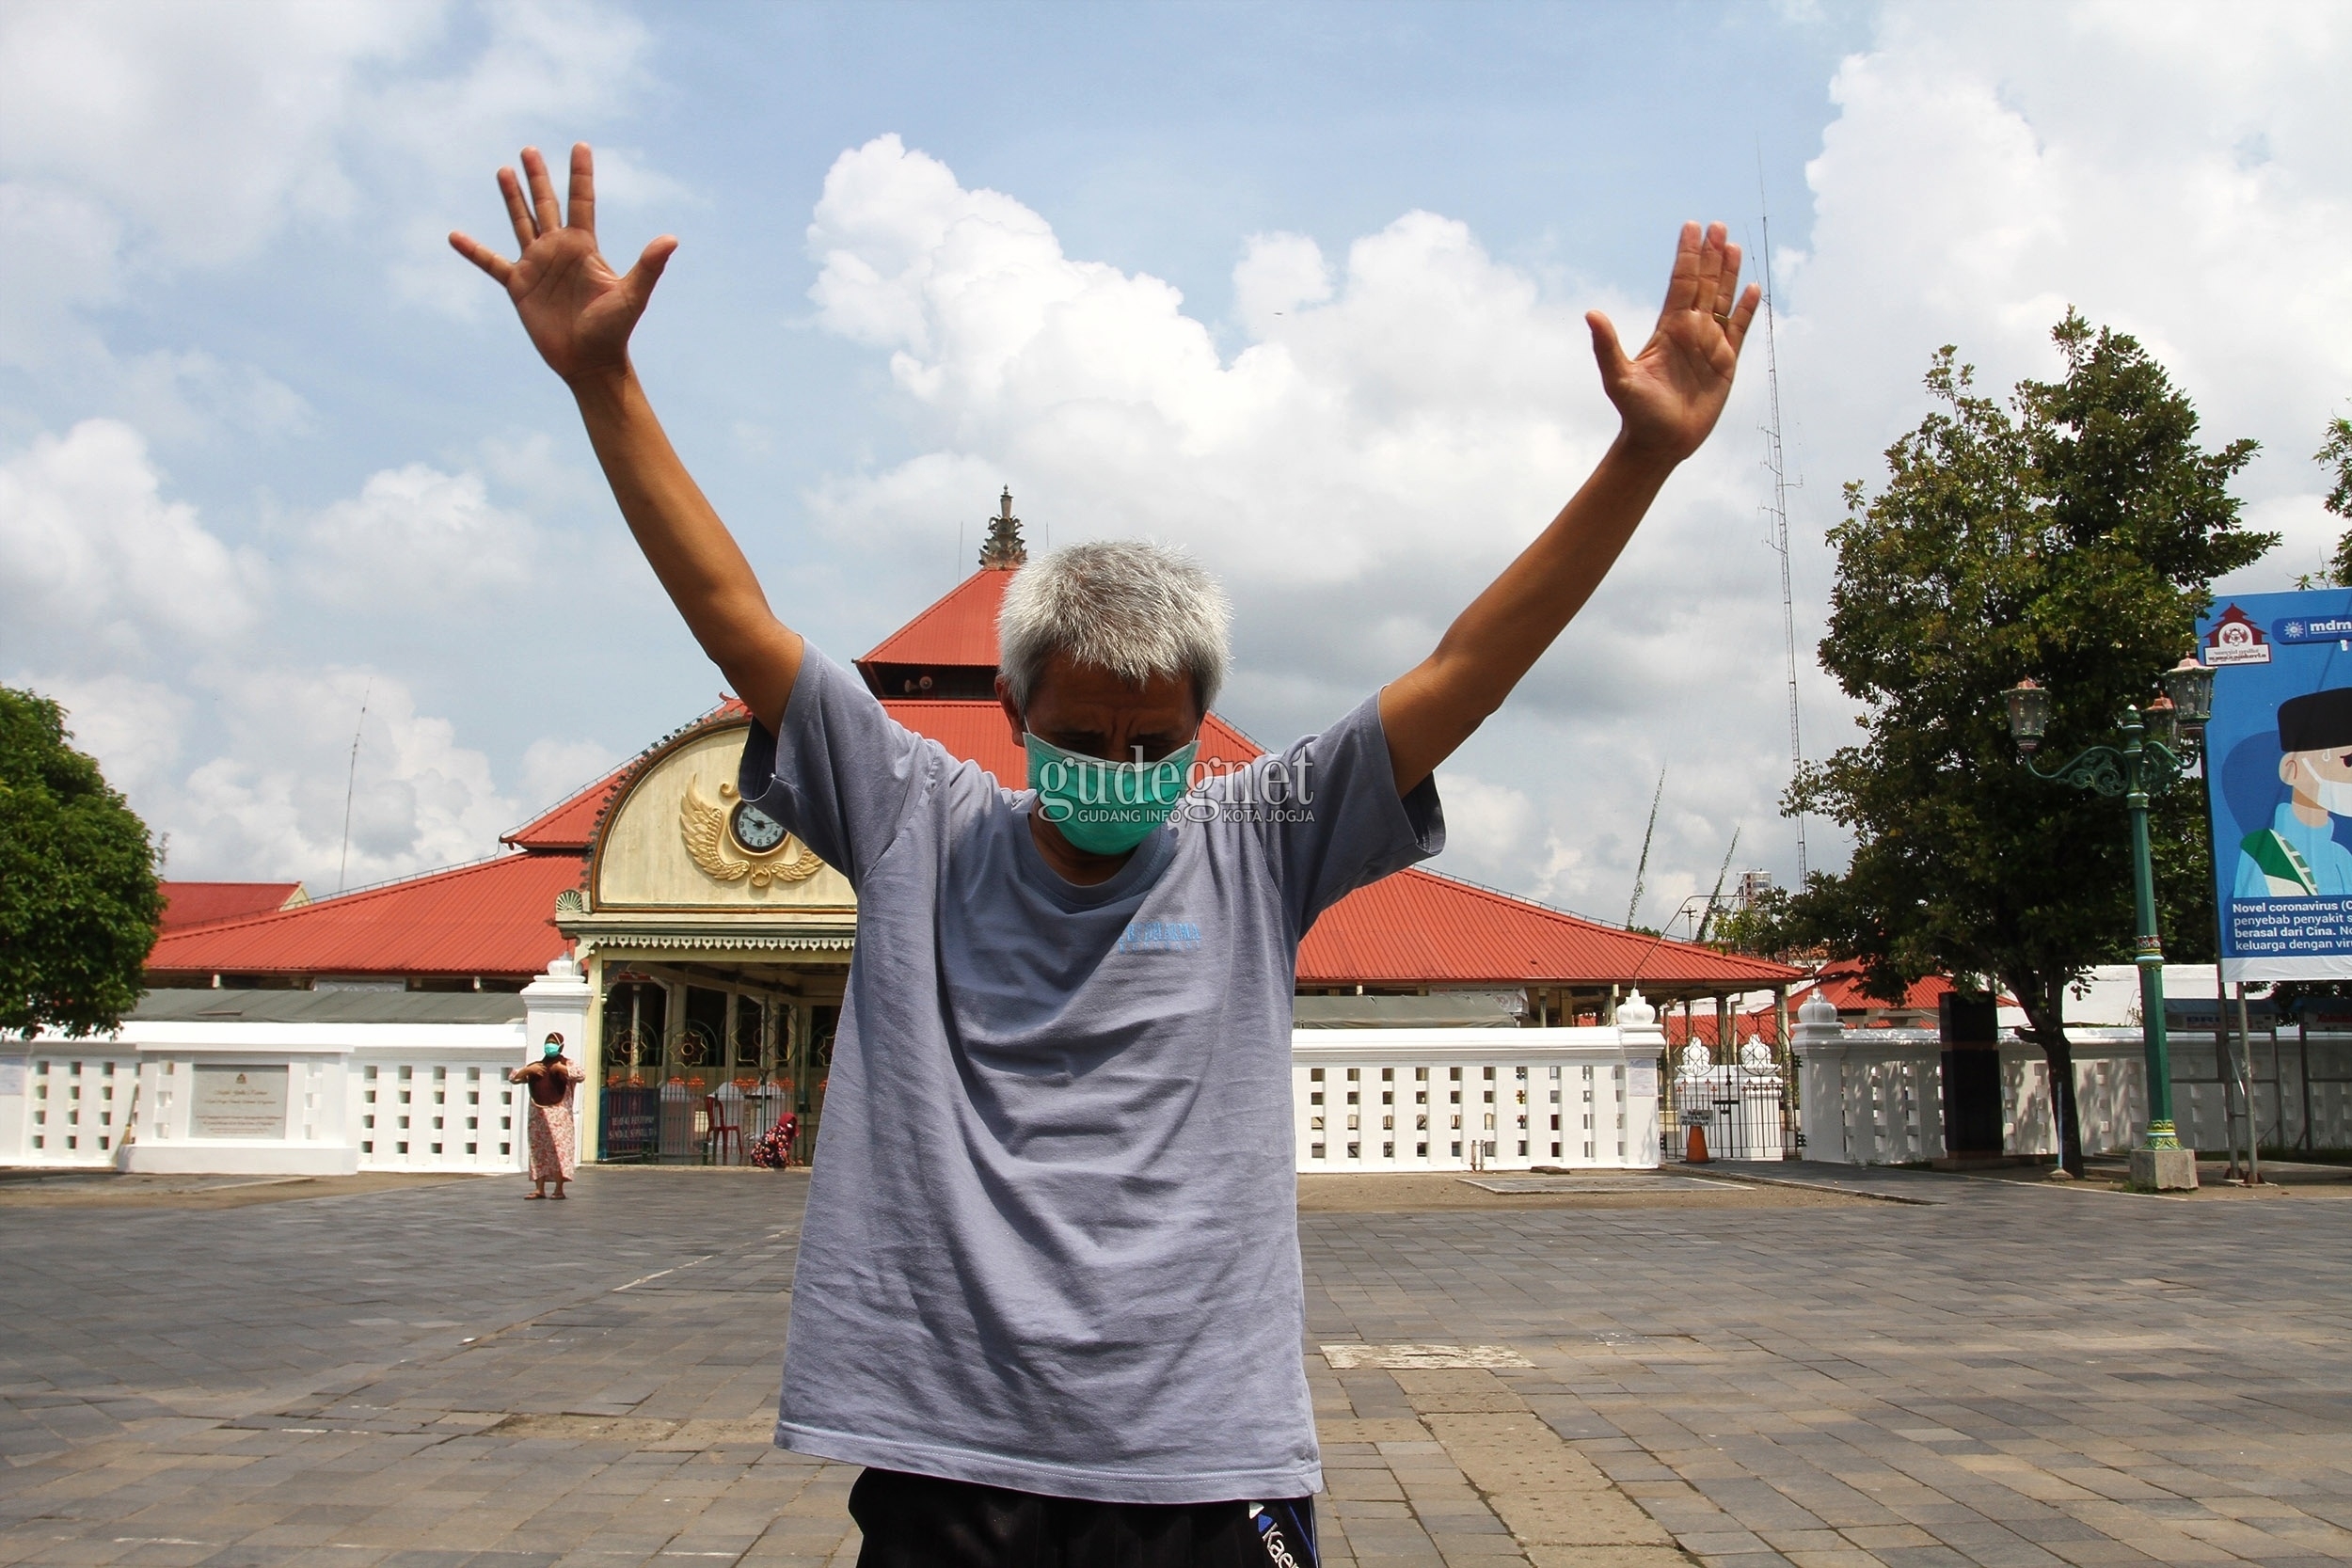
{"x": 715, "y": 947}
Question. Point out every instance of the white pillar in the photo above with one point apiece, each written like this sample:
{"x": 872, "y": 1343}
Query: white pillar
{"x": 1644, "y": 1044}
{"x": 15, "y": 1100}
{"x": 556, "y": 1003}
{"x": 1818, "y": 1044}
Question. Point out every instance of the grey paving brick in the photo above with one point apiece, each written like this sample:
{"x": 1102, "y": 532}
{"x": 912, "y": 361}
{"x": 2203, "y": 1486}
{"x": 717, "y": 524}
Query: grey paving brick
{"x": 2008, "y": 1376}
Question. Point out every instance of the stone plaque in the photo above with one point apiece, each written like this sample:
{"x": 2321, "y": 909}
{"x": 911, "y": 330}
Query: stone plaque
{"x": 1641, "y": 1079}
{"x": 238, "y": 1101}
{"x": 12, "y": 1078}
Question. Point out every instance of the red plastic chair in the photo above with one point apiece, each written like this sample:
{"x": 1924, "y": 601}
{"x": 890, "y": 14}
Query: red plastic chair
{"x": 720, "y": 1130}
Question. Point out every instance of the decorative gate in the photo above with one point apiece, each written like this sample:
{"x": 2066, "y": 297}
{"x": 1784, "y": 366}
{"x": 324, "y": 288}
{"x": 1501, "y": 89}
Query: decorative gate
{"x": 1735, "y": 1105}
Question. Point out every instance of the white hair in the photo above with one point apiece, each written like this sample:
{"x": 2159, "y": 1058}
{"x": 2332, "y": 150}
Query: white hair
{"x": 1132, "y": 607}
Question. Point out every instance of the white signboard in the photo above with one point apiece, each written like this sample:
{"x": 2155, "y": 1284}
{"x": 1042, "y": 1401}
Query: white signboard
{"x": 11, "y": 1077}
{"x": 238, "y": 1103}
{"x": 1641, "y": 1078}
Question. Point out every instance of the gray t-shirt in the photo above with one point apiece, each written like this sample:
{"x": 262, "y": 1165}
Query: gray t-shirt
{"x": 1052, "y": 1238}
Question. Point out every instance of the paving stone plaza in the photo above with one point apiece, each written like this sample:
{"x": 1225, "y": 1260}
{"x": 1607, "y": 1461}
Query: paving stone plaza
{"x": 1899, "y": 1369}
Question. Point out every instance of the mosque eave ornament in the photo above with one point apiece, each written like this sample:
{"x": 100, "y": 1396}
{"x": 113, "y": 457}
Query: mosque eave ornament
{"x": 732, "y": 840}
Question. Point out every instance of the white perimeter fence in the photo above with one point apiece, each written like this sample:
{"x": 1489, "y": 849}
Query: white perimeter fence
{"x": 238, "y": 1096}
{"x": 230, "y": 1095}
{"x": 1407, "y": 1100}
{"x": 322, "y": 1098}
{"x": 259, "y": 1105}
{"x": 1875, "y": 1096}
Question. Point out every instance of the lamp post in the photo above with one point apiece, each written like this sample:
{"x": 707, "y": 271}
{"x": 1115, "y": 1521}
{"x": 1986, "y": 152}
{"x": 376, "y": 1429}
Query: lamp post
{"x": 2142, "y": 766}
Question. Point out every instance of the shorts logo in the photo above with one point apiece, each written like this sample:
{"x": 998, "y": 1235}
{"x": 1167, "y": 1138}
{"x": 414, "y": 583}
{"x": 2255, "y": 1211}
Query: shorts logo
{"x": 1160, "y": 936}
{"x": 1281, "y": 1549}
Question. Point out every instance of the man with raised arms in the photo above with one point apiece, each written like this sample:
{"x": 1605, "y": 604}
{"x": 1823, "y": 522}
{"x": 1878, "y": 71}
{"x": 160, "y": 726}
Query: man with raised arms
{"x": 1049, "y": 1286}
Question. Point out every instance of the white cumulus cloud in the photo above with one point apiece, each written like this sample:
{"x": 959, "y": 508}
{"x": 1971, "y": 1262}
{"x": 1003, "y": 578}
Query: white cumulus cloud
{"x": 272, "y": 802}
{"x": 167, "y": 651}
{"x": 133, "y": 727}
{"x": 145, "y": 141}
{"x": 96, "y": 565}
{"x": 1389, "y": 431}
{"x": 209, "y": 125}
{"x": 413, "y": 539}
{"x": 2176, "y": 171}
{"x": 1492, "y": 831}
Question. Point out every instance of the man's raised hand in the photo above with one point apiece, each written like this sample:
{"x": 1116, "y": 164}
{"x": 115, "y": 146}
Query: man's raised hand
{"x": 577, "y": 309}
{"x": 1671, "y": 393}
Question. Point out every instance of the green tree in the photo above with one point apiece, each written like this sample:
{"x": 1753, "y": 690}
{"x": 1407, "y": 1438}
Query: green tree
{"x": 79, "y": 900}
{"x": 1762, "y": 928}
{"x": 2069, "y": 536}
{"x": 2336, "y": 453}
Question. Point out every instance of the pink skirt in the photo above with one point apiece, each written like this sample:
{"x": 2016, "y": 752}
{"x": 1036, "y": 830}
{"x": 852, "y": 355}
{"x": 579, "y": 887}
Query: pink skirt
{"x": 554, "y": 1147}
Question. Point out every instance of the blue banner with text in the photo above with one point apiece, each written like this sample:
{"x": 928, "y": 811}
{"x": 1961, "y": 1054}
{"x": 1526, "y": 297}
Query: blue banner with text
{"x": 2278, "y": 781}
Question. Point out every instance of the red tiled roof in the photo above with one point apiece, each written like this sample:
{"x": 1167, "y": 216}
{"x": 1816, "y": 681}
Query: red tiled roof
{"x": 1758, "y": 1025}
{"x": 959, "y": 629}
{"x": 493, "y": 917}
{"x": 1843, "y": 984}
{"x": 1415, "y": 927}
{"x": 978, "y": 731}
{"x": 1418, "y": 927}
{"x": 496, "y": 917}
{"x": 199, "y": 903}
{"x": 571, "y": 825}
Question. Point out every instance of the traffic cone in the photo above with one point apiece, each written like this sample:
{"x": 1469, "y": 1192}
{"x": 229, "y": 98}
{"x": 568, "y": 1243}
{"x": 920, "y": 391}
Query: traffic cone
{"x": 1695, "y": 1147}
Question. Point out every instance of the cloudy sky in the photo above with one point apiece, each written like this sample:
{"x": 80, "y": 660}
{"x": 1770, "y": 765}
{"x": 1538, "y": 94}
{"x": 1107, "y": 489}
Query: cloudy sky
{"x": 1300, "y": 286}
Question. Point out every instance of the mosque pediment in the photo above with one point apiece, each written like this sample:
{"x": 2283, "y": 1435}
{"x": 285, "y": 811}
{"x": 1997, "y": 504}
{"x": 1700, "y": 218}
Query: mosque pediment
{"x": 682, "y": 838}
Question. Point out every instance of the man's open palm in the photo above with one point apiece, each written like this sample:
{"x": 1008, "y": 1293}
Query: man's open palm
{"x": 577, "y": 310}
{"x": 1671, "y": 393}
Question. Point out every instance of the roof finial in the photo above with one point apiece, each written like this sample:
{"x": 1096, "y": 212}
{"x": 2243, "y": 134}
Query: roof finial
{"x": 1003, "y": 550}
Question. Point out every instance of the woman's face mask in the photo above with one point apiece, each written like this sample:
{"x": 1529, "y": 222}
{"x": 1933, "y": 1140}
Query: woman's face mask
{"x": 1105, "y": 808}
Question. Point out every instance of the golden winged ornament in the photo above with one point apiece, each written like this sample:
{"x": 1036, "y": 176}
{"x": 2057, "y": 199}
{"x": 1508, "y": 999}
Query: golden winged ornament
{"x": 714, "y": 836}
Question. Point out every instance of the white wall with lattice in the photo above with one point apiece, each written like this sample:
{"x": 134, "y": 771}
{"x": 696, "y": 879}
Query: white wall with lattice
{"x": 1407, "y": 1100}
{"x": 1875, "y": 1096}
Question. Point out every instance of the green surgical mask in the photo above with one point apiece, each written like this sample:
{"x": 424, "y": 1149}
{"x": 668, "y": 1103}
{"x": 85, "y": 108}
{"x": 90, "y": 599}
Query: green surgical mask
{"x": 1105, "y": 808}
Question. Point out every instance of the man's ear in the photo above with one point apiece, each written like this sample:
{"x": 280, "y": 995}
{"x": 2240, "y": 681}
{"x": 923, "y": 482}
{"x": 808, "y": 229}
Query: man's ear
{"x": 2286, "y": 769}
{"x": 1013, "y": 709}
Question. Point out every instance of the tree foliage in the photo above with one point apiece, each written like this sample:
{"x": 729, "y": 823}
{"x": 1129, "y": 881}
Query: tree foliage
{"x": 79, "y": 900}
{"x": 2068, "y": 535}
{"x": 2336, "y": 453}
{"x": 1764, "y": 927}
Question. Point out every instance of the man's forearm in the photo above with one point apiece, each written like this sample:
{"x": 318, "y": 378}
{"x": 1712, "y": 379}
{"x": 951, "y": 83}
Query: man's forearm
{"x": 1434, "y": 706}
{"x": 697, "y": 561}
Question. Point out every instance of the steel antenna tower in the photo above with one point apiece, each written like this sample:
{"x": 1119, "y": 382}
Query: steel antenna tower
{"x": 350, "y": 784}
{"x": 1775, "y": 460}
{"x": 1641, "y": 872}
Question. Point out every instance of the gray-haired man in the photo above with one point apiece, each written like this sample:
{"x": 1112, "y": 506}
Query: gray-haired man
{"x": 1049, "y": 1285}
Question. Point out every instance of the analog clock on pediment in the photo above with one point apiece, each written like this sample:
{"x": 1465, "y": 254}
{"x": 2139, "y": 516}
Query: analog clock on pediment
{"x": 732, "y": 840}
{"x": 753, "y": 828}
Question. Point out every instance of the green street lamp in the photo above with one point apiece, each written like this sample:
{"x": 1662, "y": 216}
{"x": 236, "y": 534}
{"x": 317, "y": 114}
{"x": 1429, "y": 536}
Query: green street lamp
{"x": 2142, "y": 766}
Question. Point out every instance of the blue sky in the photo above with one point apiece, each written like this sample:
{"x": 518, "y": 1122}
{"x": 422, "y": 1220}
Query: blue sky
{"x": 267, "y": 449}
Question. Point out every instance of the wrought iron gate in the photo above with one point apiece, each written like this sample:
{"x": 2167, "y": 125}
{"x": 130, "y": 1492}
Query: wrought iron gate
{"x": 1736, "y": 1106}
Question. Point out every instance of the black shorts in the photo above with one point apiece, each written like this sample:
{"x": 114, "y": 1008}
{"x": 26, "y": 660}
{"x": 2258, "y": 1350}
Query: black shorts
{"x": 922, "y": 1522}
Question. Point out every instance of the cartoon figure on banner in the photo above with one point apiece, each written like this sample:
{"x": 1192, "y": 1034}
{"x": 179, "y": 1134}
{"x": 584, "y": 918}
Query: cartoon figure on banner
{"x": 2278, "y": 761}
{"x": 2298, "y": 855}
